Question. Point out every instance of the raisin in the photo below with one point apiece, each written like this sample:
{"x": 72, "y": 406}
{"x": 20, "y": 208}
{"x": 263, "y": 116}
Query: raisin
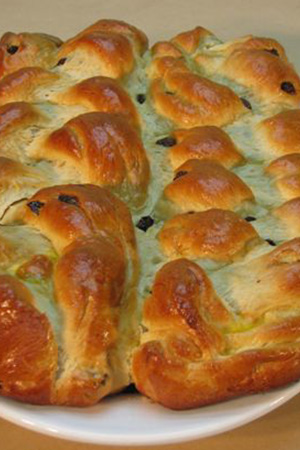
{"x": 144, "y": 223}
{"x": 61, "y": 62}
{"x": 288, "y": 87}
{"x": 250, "y": 218}
{"x": 272, "y": 50}
{"x": 169, "y": 93}
{"x": 168, "y": 141}
{"x": 246, "y": 103}
{"x": 35, "y": 206}
{"x": 271, "y": 242}
{"x": 141, "y": 98}
{"x": 179, "y": 174}
{"x": 12, "y": 49}
{"x": 71, "y": 199}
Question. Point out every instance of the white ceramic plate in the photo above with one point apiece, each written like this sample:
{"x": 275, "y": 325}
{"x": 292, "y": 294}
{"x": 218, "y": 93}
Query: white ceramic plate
{"x": 133, "y": 420}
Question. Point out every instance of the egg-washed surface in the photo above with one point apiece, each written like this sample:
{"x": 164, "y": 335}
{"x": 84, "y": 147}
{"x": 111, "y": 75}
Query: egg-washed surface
{"x": 196, "y": 298}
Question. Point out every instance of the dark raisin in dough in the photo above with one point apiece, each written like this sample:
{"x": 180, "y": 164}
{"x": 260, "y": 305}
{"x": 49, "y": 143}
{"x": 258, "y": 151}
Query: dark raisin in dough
{"x": 145, "y": 222}
{"x": 273, "y": 51}
{"x": 72, "y": 200}
{"x": 141, "y": 98}
{"x": 271, "y": 242}
{"x": 61, "y": 62}
{"x": 35, "y": 206}
{"x": 246, "y": 103}
{"x": 167, "y": 141}
{"x": 179, "y": 174}
{"x": 12, "y": 49}
{"x": 288, "y": 87}
{"x": 250, "y": 218}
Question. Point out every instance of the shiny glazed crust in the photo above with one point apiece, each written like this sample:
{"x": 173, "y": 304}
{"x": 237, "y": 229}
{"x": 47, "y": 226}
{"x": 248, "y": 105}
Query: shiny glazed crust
{"x": 200, "y": 185}
{"x": 93, "y": 249}
{"x": 214, "y": 233}
{"x": 149, "y": 204}
{"x": 190, "y": 100}
{"x": 207, "y": 142}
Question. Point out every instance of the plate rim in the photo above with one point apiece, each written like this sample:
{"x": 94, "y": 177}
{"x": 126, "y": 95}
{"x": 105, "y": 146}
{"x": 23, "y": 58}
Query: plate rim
{"x": 13, "y": 413}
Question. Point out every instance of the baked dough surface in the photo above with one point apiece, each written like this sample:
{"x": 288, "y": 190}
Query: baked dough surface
{"x": 149, "y": 204}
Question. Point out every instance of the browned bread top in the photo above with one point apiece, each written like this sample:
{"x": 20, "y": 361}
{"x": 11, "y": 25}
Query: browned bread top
{"x": 27, "y": 49}
{"x": 87, "y": 269}
{"x": 194, "y": 141}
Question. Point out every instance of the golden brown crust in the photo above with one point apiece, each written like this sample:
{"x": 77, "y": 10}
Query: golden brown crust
{"x": 188, "y": 356}
{"x": 177, "y": 386}
{"x": 18, "y": 115}
{"x": 161, "y": 66}
{"x": 264, "y": 73}
{"x": 135, "y": 35}
{"x": 94, "y": 278}
{"x": 22, "y": 84}
{"x": 288, "y": 213}
{"x": 285, "y": 165}
{"x": 99, "y": 53}
{"x": 69, "y": 212}
{"x": 190, "y": 100}
{"x": 256, "y": 43}
{"x": 105, "y": 149}
{"x": 28, "y": 352}
{"x": 94, "y": 270}
{"x": 182, "y": 295}
{"x": 215, "y": 234}
{"x": 101, "y": 94}
{"x": 190, "y": 40}
{"x": 289, "y": 186}
{"x": 281, "y": 133}
{"x": 204, "y": 143}
{"x": 201, "y": 185}
{"x": 27, "y": 49}
{"x": 286, "y": 171}
{"x": 70, "y": 250}
{"x": 275, "y": 276}
{"x": 17, "y": 122}
{"x": 38, "y": 267}
{"x": 165, "y": 48}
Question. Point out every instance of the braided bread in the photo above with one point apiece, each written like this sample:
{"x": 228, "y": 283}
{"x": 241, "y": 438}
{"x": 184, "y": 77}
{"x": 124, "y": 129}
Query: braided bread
{"x": 149, "y": 204}
{"x": 78, "y": 339}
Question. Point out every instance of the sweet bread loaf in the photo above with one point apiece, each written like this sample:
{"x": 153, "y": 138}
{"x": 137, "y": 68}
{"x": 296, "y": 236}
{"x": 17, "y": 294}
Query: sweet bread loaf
{"x": 149, "y": 204}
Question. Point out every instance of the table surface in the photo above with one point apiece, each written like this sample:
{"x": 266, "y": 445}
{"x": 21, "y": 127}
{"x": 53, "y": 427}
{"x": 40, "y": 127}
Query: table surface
{"x": 161, "y": 19}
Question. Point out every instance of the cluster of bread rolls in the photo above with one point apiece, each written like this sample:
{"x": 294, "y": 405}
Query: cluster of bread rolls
{"x": 149, "y": 203}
